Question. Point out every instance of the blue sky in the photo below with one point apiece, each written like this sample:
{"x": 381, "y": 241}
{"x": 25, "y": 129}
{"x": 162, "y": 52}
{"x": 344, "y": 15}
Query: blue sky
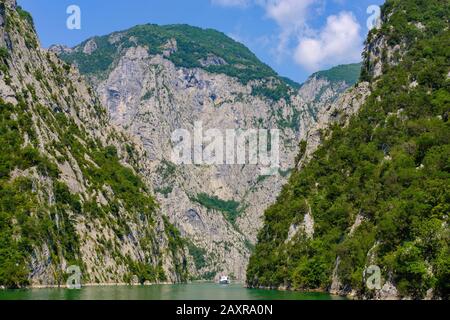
{"x": 294, "y": 37}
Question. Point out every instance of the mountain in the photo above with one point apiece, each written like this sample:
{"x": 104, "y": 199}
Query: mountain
{"x": 375, "y": 194}
{"x": 185, "y": 46}
{"x": 74, "y": 189}
{"x": 348, "y": 73}
{"x": 157, "y": 79}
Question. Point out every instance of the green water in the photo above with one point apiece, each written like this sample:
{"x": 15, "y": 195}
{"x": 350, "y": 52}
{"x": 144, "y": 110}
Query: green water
{"x": 196, "y": 291}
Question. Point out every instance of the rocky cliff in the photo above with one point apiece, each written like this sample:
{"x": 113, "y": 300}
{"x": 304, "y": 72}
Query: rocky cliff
{"x": 74, "y": 189}
{"x": 157, "y": 79}
{"x": 366, "y": 214}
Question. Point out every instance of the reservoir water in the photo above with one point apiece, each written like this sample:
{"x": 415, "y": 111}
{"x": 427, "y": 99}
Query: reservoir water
{"x": 193, "y": 291}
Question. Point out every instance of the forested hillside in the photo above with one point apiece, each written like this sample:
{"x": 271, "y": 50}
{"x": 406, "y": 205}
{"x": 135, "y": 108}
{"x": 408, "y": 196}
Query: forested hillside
{"x": 377, "y": 190}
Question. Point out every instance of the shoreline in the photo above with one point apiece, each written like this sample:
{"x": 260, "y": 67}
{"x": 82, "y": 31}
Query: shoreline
{"x": 90, "y": 285}
{"x": 118, "y": 284}
{"x": 286, "y": 289}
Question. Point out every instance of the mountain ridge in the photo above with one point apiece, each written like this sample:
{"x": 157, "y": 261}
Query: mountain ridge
{"x": 209, "y": 49}
{"x": 151, "y": 96}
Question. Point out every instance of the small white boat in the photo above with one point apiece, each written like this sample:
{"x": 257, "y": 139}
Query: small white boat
{"x": 224, "y": 280}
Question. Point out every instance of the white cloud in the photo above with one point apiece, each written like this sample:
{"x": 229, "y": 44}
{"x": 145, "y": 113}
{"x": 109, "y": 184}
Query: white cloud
{"x": 338, "y": 42}
{"x": 291, "y": 16}
{"x": 288, "y": 13}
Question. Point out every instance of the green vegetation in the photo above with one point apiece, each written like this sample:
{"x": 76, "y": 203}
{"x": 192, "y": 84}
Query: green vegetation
{"x": 166, "y": 169}
{"x": 349, "y": 73}
{"x": 176, "y": 246}
{"x": 209, "y": 275}
{"x": 13, "y": 253}
{"x": 194, "y": 46}
{"x": 4, "y": 53}
{"x": 148, "y": 95}
{"x": 390, "y": 165}
{"x": 198, "y": 254}
{"x": 107, "y": 171}
{"x": 280, "y": 91}
{"x": 28, "y": 223}
{"x": 24, "y": 221}
{"x": 25, "y": 15}
{"x": 260, "y": 179}
{"x": 21, "y": 21}
{"x": 292, "y": 83}
{"x": 125, "y": 184}
{"x": 164, "y": 191}
{"x": 230, "y": 208}
{"x": 147, "y": 272}
{"x": 95, "y": 63}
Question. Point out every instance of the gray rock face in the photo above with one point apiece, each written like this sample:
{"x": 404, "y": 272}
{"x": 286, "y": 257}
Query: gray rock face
{"x": 340, "y": 112}
{"x": 379, "y": 52}
{"x": 59, "y": 49}
{"x": 306, "y": 228}
{"x": 387, "y": 292}
{"x": 150, "y": 97}
{"x": 213, "y": 60}
{"x": 10, "y": 3}
{"x": 44, "y": 88}
{"x": 90, "y": 47}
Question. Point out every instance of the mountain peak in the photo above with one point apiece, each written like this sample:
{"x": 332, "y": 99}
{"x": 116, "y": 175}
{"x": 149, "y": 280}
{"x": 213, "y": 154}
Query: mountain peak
{"x": 348, "y": 73}
{"x": 186, "y": 46}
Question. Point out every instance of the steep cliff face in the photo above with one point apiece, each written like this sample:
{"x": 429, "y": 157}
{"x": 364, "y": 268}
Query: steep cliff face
{"x": 156, "y": 80}
{"x": 375, "y": 195}
{"x": 73, "y": 188}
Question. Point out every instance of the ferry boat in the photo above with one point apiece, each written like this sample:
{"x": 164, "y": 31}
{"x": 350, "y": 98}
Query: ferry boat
{"x": 224, "y": 280}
